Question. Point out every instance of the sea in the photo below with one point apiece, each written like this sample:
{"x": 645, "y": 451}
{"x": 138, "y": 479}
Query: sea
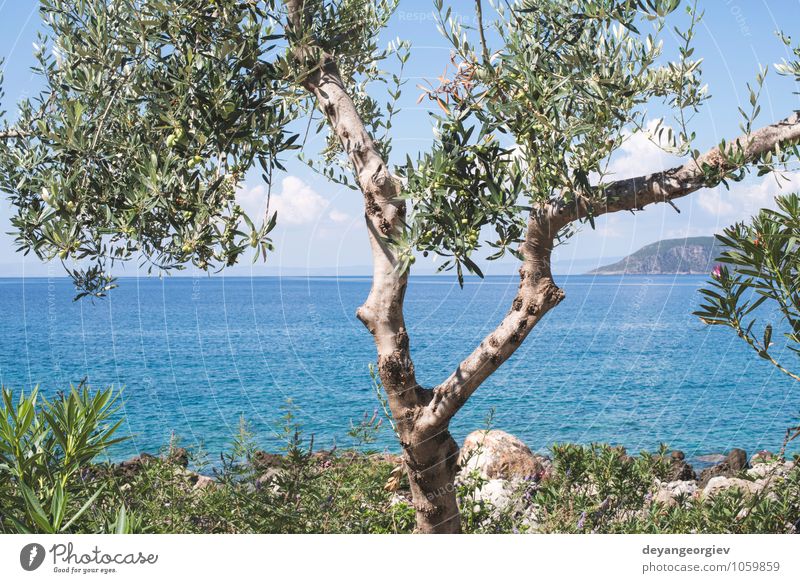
{"x": 621, "y": 360}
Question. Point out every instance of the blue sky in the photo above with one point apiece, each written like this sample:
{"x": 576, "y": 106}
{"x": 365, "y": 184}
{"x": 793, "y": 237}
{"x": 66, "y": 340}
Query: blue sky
{"x": 322, "y": 229}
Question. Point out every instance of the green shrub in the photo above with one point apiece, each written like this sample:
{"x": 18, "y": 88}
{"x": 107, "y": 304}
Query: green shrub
{"x": 598, "y": 488}
{"x": 307, "y": 491}
{"x": 44, "y": 445}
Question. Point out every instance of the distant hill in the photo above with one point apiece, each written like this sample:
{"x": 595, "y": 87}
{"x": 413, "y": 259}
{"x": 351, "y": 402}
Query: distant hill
{"x": 693, "y": 255}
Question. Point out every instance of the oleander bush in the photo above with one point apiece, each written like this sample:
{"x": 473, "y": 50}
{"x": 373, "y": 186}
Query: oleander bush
{"x": 44, "y": 446}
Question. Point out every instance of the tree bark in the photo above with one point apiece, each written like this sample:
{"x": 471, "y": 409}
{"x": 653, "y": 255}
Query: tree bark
{"x": 536, "y": 295}
{"x": 430, "y": 454}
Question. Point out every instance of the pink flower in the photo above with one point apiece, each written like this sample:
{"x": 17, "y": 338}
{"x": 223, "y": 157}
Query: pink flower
{"x": 717, "y": 272}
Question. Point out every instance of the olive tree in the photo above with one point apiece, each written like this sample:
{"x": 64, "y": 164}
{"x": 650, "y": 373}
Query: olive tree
{"x": 153, "y": 111}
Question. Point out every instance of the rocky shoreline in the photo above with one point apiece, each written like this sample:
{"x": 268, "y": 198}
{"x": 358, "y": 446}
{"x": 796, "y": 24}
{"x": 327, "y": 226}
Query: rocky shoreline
{"x": 499, "y": 466}
{"x": 503, "y": 462}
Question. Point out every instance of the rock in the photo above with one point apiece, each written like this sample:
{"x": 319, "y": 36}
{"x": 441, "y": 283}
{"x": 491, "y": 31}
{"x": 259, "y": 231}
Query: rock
{"x": 711, "y": 458}
{"x": 682, "y": 487}
{"x": 507, "y": 498}
{"x": 400, "y": 498}
{"x": 137, "y": 460}
{"x": 663, "y": 496}
{"x": 267, "y": 477}
{"x": 262, "y": 460}
{"x": 737, "y": 459}
{"x": 129, "y": 468}
{"x": 324, "y": 457}
{"x": 761, "y": 457}
{"x": 178, "y": 456}
{"x": 388, "y": 458}
{"x": 761, "y": 470}
{"x": 734, "y": 462}
{"x": 497, "y": 454}
{"x": 203, "y": 482}
{"x": 774, "y": 468}
{"x": 497, "y": 492}
{"x": 679, "y": 470}
{"x": 669, "y": 492}
{"x": 719, "y": 484}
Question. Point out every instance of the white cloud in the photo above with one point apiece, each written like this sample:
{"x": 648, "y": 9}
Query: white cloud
{"x": 686, "y": 231}
{"x": 253, "y": 200}
{"x": 610, "y": 226}
{"x": 711, "y": 201}
{"x": 640, "y": 154}
{"x": 338, "y": 216}
{"x": 745, "y": 199}
{"x": 296, "y": 203}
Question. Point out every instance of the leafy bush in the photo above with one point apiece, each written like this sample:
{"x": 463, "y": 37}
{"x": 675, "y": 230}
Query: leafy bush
{"x": 599, "y": 488}
{"x": 44, "y": 445}
{"x": 299, "y": 491}
{"x": 760, "y": 264}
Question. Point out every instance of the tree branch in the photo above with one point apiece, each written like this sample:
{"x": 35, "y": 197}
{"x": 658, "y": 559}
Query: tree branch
{"x": 11, "y": 134}
{"x": 484, "y": 48}
{"x": 636, "y": 193}
{"x": 537, "y": 294}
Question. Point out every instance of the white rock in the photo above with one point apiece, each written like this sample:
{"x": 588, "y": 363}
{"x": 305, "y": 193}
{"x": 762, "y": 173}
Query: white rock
{"x": 718, "y": 484}
{"x": 497, "y": 454}
{"x": 776, "y": 468}
{"x": 682, "y": 487}
{"x": 668, "y": 492}
{"x": 203, "y": 482}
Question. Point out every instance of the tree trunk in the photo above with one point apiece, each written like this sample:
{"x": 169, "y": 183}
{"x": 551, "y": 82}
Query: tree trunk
{"x": 432, "y": 467}
{"x": 430, "y": 454}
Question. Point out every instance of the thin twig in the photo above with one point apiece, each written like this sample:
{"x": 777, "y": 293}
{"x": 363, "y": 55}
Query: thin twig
{"x": 12, "y": 134}
{"x": 479, "y": 13}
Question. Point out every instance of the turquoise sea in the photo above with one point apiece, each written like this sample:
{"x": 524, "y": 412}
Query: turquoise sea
{"x": 621, "y": 360}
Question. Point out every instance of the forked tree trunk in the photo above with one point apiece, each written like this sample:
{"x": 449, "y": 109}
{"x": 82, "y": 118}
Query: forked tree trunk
{"x": 422, "y": 416}
{"x": 429, "y": 452}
